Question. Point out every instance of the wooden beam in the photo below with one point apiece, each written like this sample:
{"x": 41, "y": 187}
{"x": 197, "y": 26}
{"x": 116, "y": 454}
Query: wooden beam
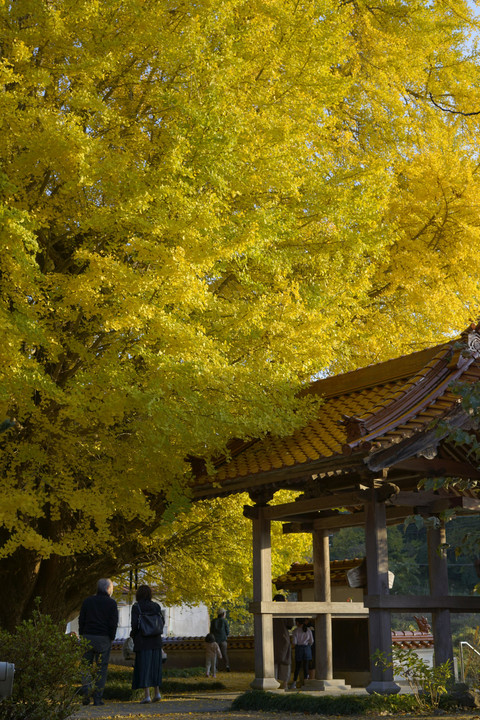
{"x": 394, "y": 516}
{"x": 336, "y": 522}
{"x": 433, "y": 501}
{"x": 440, "y": 467}
{"x": 423, "y": 603}
{"x": 291, "y": 528}
{"x": 412, "y": 499}
{"x": 307, "y": 609}
{"x": 396, "y": 603}
{"x": 301, "y": 519}
{"x": 301, "y": 507}
{"x": 251, "y": 512}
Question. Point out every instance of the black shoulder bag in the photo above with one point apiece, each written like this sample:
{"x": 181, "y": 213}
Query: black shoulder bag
{"x": 150, "y": 624}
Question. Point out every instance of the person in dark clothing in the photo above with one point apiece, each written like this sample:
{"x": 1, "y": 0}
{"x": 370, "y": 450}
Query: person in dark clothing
{"x": 220, "y": 630}
{"x": 282, "y": 646}
{"x": 97, "y": 624}
{"x": 147, "y": 670}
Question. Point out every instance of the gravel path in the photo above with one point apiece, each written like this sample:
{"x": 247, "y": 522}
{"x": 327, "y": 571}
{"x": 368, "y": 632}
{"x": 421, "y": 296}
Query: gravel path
{"x": 177, "y": 706}
{"x": 192, "y": 707}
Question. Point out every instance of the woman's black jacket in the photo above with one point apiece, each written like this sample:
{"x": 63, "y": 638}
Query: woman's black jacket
{"x": 140, "y": 642}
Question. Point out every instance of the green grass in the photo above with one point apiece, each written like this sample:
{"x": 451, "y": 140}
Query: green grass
{"x": 175, "y": 680}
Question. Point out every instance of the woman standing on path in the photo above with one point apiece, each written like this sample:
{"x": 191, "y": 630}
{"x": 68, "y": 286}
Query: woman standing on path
{"x": 147, "y": 671}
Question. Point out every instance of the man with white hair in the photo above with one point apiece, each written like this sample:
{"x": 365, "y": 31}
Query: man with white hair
{"x": 97, "y": 624}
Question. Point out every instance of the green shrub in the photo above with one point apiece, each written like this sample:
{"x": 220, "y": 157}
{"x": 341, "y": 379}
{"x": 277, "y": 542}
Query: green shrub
{"x": 427, "y": 683}
{"x": 48, "y": 668}
{"x": 345, "y": 704}
{"x": 296, "y": 702}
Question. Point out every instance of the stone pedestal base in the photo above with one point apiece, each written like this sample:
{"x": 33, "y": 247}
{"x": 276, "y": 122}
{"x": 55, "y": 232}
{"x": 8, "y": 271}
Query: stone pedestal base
{"x": 265, "y": 684}
{"x": 383, "y": 687}
{"x": 333, "y": 685}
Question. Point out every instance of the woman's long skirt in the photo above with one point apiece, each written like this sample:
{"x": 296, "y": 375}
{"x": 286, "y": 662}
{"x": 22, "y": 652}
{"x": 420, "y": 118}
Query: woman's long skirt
{"x": 147, "y": 671}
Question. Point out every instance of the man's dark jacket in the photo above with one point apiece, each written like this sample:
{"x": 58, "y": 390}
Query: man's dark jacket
{"x": 98, "y": 616}
{"x": 220, "y": 629}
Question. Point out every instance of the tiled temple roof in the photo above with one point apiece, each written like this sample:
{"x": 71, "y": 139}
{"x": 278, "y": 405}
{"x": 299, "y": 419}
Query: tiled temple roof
{"x": 368, "y": 416}
{"x": 414, "y": 639}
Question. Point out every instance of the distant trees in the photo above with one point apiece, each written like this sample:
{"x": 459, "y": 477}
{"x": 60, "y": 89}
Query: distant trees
{"x": 408, "y": 554}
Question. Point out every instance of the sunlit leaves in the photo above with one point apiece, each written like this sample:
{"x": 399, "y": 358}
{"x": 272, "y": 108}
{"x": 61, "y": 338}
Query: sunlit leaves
{"x": 200, "y": 210}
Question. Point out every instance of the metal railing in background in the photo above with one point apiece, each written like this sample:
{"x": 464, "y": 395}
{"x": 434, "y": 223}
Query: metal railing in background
{"x": 462, "y": 662}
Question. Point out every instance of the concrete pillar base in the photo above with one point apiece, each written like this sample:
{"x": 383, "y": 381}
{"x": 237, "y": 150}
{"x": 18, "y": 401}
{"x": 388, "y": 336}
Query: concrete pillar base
{"x": 265, "y": 684}
{"x": 333, "y": 685}
{"x": 383, "y": 687}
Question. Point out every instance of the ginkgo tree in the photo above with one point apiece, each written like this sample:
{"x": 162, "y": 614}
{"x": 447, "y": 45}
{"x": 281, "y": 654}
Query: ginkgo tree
{"x": 202, "y": 205}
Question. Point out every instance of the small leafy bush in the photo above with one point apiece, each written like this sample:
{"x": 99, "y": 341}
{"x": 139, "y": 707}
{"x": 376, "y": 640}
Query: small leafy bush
{"x": 427, "y": 683}
{"x": 48, "y": 669}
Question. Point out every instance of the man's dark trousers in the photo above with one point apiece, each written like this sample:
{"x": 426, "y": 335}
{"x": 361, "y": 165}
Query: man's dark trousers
{"x": 98, "y": 651}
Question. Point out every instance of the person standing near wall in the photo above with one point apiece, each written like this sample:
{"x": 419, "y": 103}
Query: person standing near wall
{"x": 147, "y": 643}
{"x": 220, "y": 630}
{"x": 282, "y": 646}
{"x": 97, "y": 624}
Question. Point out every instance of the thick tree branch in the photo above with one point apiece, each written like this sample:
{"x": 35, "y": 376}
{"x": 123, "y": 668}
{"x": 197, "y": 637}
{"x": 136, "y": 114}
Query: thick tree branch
{"x": 449, "y": 110}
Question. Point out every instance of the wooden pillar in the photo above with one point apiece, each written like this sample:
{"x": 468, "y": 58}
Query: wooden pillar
{"x": 380, "y": 631}
{"x": 438, "y": 577}
{"x": 262, "y": 590}
{"x": 322, "y": 592}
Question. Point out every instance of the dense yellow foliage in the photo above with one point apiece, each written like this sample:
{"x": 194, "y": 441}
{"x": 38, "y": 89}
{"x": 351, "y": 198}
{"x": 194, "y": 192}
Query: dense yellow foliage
{"x": 205, "y": 555}
{"x": 201, "y": 205}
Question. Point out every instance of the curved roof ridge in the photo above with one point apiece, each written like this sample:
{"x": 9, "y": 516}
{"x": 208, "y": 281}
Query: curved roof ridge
{"x": 423, "y": 376}
{"x": 402, "y": 399}
{"x": 373, "y": 374}
{"x": 418, "y": 392}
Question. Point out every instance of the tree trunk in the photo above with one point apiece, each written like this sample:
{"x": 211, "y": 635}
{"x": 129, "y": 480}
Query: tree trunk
{"x": 60, "y": 583}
